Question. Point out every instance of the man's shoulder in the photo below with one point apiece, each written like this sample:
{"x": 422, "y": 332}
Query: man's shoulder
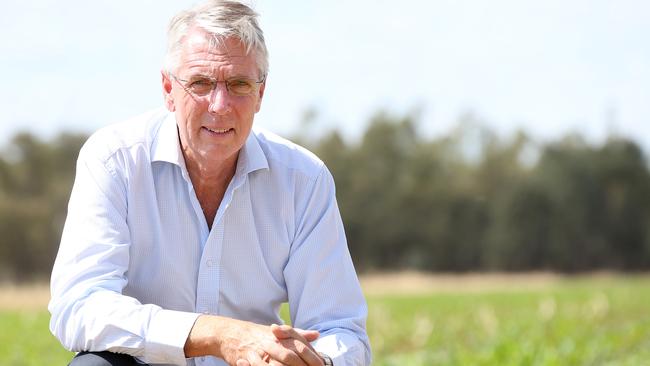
{"x": 135, "y": 132}
{"x": 283, "y": 153}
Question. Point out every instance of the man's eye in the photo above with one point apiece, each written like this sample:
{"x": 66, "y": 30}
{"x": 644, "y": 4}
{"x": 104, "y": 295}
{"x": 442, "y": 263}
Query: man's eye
{"x": 201, "y": 86}
{"x": 201, "y": 83}
{"x": 238, "y": 82}
{"x": 240, "y": 86}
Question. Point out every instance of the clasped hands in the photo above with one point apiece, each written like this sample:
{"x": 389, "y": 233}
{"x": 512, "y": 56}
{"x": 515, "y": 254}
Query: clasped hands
{"x": 242, "y": 343}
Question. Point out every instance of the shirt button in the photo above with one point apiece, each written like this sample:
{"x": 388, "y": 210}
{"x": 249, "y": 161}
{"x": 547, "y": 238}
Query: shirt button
{"x": 209, "y": 263}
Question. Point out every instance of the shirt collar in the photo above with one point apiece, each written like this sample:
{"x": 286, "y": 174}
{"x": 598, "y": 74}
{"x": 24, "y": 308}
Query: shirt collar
{"x": 166, "y": 147}
{"x": 251, "y": 156}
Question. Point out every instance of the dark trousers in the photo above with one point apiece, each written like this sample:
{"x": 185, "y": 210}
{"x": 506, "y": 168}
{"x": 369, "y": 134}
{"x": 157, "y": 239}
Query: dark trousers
{"x": 103, "y": 359}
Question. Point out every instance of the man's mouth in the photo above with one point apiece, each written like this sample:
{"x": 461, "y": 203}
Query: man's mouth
{"x": 218, "y": 130}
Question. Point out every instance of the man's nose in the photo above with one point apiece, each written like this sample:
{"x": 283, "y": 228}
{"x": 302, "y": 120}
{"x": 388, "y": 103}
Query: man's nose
{"x": 219, "y": 99}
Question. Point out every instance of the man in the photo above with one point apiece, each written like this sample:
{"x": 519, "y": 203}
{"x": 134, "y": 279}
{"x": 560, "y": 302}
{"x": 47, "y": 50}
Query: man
{"x": 187, "y": 228}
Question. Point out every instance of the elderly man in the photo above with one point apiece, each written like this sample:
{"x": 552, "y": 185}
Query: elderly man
{"x": 188, "y": 228}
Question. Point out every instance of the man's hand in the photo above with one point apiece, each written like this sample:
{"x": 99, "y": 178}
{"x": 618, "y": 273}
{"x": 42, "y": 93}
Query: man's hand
{"x": 244, "y": 343}
{"x": 298, "y": 340}
{"x": 294, "y": 339}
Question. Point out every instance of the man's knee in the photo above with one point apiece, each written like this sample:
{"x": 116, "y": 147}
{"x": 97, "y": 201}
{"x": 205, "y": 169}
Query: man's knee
{"x": 103, "y": 359}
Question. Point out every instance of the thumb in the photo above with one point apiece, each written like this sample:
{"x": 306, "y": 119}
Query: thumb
{"x": 285, "y": 331}
{"x": 310, "y": 335}
{"x": 281, "y": 331}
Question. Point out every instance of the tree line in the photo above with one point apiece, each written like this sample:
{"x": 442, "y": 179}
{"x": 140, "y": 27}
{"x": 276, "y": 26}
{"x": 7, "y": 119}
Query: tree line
{"x": 467, "y": 201}
{"x": 471, "y": 201}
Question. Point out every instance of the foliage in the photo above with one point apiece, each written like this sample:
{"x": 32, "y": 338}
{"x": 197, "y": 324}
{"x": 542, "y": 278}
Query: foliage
{"x": 35, "y": 182}
{"x": 471, "y": 201}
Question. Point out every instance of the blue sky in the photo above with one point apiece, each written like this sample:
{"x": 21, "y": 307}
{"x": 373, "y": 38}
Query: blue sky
{"x": 548, "y": 67}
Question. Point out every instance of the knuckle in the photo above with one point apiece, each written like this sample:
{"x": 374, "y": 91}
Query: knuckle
{"x": 285, "y": 355}
{"x": 290, "y": 358}
{"x": 300, "y": 347}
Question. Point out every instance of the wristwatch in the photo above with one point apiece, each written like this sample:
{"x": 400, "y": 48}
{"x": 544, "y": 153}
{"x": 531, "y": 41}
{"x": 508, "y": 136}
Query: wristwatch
{"x": 327, "y": 360}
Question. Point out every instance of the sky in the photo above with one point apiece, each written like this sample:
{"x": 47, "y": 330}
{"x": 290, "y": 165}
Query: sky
{"x": 546, "y": 67}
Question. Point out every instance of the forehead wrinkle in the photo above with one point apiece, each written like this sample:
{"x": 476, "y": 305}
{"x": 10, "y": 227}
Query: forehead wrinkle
{"x": 206, "y": 55}
{"x": 221, "y": 49}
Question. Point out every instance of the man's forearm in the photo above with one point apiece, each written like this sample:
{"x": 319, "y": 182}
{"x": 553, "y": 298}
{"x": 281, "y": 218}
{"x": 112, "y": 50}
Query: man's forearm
{"x": 203, "y": 340}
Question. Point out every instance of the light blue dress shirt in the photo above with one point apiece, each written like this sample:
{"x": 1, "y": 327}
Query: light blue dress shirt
{"x": 137, "y": 263}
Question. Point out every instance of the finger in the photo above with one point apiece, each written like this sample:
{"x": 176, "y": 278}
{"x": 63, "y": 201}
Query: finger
{"x": 255, "y": 359}
{"x": 241, "y": 362}
{"x": 309, "y": 335}
{"x": 289, "y": 333}
{"x": 266, "y": 357}
{"x": 286, "y": 331}
{"x": 304, "y": 350}
{"x": 292, "y": 339}
{"x": 280, "y": 331}
{"x": 284, "y": 355}
{"x": 276, "y": 363}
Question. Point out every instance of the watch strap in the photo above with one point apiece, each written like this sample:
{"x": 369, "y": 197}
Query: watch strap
{"x": 327, "y": 360}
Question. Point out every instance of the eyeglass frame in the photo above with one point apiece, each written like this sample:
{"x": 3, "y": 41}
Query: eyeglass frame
{"x": 216, "y": 82}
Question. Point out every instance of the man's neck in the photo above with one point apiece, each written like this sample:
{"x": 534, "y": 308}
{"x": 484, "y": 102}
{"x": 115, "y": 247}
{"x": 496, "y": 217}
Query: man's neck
{"x": 210, "y": 173}
{"x": 210, "y": 180}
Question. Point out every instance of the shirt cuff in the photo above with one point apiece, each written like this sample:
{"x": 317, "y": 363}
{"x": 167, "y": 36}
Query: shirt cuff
{"x": 166, "y": 337}
{"x": 331, "y": 346}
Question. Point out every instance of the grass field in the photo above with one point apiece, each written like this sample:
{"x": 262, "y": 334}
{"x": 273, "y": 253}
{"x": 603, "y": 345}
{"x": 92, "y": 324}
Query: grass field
{"x": 419, "y": 320}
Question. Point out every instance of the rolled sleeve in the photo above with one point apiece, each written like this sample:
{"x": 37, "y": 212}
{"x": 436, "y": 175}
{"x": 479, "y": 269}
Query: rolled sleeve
{"x": 89, "y": 310}
{"x": 324, "y": 291}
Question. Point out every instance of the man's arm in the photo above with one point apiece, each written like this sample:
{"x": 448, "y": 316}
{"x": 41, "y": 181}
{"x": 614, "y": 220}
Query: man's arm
{"x": 323, "y": 288}
{"x": 89, "y": 311}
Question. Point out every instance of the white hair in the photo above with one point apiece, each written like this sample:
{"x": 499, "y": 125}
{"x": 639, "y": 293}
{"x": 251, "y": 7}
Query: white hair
{"x": 221, "y": 19}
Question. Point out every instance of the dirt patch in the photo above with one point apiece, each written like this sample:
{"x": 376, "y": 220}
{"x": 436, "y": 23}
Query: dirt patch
{"x": 36, "y": 296}
{"x": 24, "y": 297}
{"x": 409, "y": 283}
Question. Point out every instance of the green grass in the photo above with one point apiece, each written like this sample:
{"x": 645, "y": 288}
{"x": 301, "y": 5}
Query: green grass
{"x": 577, "y": 322}
{"x": 602, "y": 321}
{"x": 25, "y": 340}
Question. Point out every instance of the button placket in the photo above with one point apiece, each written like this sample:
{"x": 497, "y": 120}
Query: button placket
{"x": 209, "y": 276}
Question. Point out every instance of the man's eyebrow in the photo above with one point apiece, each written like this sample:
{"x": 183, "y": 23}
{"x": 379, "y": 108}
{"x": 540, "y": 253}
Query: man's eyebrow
{"x": 196, "y": 76}
{"x": 240, "y": 76}
{"x": 201, "y": 75}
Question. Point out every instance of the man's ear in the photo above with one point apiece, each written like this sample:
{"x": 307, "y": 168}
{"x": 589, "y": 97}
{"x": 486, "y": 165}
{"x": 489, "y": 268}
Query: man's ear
{"x": 167, "y": 91}
{"x": 260, "y": 97}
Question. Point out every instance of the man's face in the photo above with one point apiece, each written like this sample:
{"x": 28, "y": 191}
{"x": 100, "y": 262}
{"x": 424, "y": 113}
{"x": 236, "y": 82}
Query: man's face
{"x": 212, "y": 127}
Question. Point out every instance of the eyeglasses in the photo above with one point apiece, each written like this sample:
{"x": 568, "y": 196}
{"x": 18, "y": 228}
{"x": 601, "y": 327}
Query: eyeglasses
{"x": 202, "y": 86}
